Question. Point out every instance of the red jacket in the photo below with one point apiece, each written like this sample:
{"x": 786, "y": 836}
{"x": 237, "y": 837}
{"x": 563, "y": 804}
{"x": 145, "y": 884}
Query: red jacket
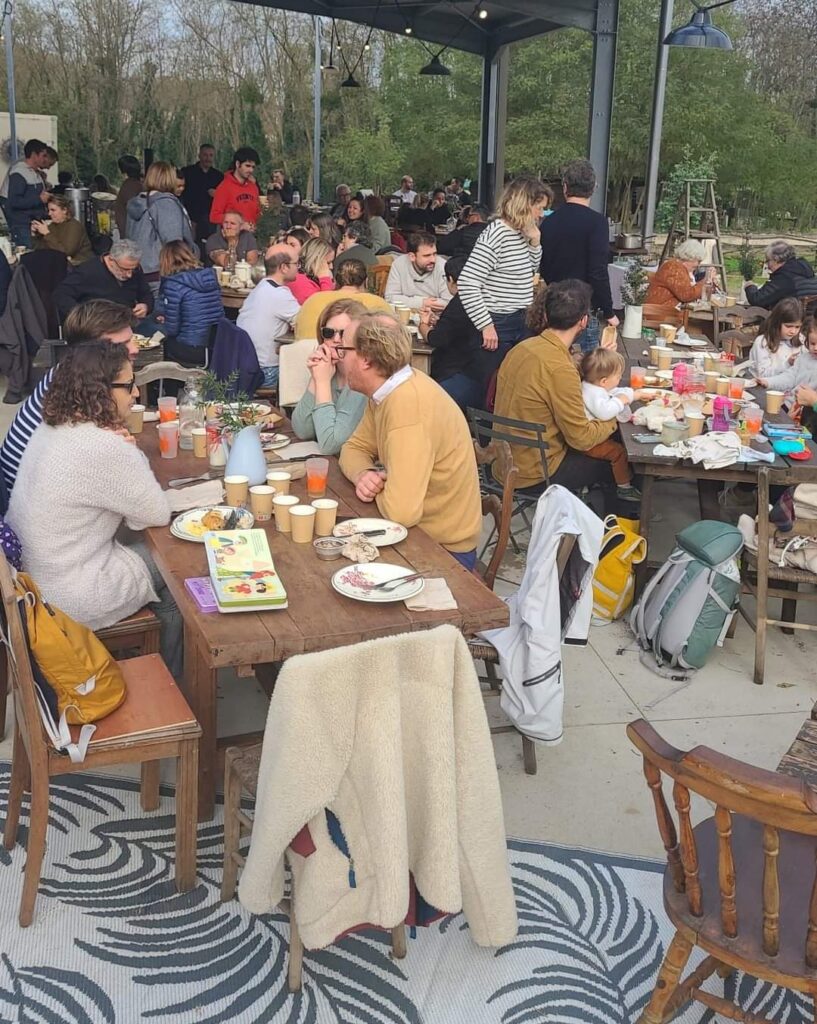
{"x": 234, "y": 195}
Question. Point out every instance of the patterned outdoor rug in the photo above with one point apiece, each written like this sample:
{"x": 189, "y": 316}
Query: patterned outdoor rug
{"x": 113, "y": 942}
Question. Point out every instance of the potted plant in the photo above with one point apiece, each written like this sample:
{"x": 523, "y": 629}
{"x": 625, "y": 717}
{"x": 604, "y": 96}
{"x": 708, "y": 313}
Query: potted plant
{"x": 239, "y": 427}
{"x": 633, "y": 293}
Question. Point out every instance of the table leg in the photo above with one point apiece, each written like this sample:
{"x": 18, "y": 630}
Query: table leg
{"x": 647, "y": 482}
{"x": 761, "y": 591}
{"x": 200, "y": 691}
{"x": 708, "y": 491}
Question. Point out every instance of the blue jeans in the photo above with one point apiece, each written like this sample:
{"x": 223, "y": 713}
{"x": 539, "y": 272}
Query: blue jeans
{"x": 467, "y": 559}
{"x": 270, "y": 376}
{"x": 464, "y": 390}
{"x": 171, "y": 635}
{"x": 590, "y": 337}
{"x": 510, "y": 327}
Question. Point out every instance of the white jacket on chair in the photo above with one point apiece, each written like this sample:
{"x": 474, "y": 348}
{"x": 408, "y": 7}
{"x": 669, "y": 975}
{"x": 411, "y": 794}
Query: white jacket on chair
{"x": 543, "y": 617}
{"x": 391, "y": 736}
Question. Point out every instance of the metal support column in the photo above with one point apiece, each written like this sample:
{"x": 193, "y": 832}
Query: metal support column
{"x": 657, "y": 120}
{"x": 601, "y": 97}
{"x": 316, "y": 107}
{"x": 8, "y": 32}
{"x": 494, "y": 115}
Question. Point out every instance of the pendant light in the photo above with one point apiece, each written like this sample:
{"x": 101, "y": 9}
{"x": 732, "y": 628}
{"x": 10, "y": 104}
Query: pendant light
{"x": 699, "y": 30}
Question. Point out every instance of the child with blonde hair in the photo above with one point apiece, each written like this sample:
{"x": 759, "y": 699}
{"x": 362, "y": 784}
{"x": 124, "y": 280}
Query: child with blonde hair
{"x": 601, "y": 371}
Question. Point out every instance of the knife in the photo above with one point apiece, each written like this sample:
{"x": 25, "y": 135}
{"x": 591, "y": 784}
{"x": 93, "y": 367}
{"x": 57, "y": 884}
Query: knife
{"x": 181, "y": 481}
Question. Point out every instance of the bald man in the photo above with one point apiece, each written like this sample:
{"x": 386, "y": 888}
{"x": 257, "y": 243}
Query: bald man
{"x": 271, "y": 308}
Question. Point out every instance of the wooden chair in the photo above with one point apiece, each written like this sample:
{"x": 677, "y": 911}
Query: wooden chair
{"x": 163, "y": 371}
{"x": 809, "y": 303}
{"x": 737, "y": 342}
{"x": 498, "y": 453}
{"x": 757, "y": 571}
{"x": 377, "y": 277}
{"x": 741, "y": 884}
{"x": 653, "y": 315}
{"x": 241, "y": 766}
{"x": 138, "y": 633}
{"x": 154, "y": 722}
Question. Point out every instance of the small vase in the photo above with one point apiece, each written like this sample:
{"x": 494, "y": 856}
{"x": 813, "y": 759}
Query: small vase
{"x": 632, "y": 321}
{"x": 246, "y": 456}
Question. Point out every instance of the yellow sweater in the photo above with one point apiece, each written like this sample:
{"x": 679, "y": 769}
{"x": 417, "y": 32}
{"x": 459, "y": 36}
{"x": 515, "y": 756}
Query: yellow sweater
{"x": 538, "y": 382}
{"x": 306, "y": 323}
{"x": 422, "y": 439}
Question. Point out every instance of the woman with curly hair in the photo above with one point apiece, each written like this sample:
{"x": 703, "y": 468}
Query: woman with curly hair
{"x": 80, "y": 480}
{"x": 315, "y": 270}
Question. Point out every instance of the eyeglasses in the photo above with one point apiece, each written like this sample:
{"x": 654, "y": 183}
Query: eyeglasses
{"x": 331, "y": 332}
{"x": 123, "y": 270}
{"x": 129, "y": 384}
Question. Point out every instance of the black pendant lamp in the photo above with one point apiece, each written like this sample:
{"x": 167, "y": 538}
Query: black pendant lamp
{"x": 435, "y": 67}
{"x": 700, "y": 32}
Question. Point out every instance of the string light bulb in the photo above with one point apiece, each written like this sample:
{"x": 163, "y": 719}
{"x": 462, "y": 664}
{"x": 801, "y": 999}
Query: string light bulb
{"x": 483, "y": 14}
{"x": 408, "y": 30}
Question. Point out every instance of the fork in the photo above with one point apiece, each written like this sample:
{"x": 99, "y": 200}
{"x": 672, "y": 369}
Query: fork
{"x": 393, "y": 584}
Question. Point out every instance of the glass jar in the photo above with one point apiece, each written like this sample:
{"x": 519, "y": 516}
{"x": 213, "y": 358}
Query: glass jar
{"x": 191, "y": 412}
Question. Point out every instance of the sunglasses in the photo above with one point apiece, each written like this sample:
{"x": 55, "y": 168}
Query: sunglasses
{"x": 129, "y": 384}
{"x": 331, "y": 332}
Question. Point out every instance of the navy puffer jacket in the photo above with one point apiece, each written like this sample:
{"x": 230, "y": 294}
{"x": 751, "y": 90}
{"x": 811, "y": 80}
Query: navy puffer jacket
{"x": 191, "y": 303}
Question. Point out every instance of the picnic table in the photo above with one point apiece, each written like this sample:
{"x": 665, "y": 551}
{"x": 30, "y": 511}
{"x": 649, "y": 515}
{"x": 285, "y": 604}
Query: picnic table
{"x": 317, "y": 619}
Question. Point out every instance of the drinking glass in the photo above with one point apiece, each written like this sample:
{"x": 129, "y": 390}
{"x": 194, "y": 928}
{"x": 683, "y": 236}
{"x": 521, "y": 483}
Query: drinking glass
{"x": 317, "y": 472}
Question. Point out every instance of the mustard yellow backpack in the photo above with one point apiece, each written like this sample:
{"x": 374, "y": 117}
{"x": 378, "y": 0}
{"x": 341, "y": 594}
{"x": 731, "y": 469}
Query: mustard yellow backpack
{"x": 622, "y": 548}
{"x": 77, "y": 679}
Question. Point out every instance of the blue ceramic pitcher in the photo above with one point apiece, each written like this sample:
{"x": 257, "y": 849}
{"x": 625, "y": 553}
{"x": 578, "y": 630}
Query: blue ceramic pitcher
{"x": 245, "y": 456}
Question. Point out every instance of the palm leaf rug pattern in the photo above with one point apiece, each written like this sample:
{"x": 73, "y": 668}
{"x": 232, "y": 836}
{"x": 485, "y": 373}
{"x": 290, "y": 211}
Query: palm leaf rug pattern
{"x": 113, "y": 943}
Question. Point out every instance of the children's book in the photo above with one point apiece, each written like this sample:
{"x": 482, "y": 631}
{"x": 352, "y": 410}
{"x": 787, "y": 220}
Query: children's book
{"x": 242, "y": 571}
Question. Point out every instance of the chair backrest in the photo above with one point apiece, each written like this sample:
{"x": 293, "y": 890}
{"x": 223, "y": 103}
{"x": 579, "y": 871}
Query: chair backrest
{"x": 775, "y": 802}
{"x": 385, "y": 259}
{"x": 166, "y": 371}
{"x": 293, "y": 374}
{"x": 652, "y": 315}
{"x": 26, "y": 713}
{"x": 378, "y": 276}
{"x": 737, "y": 343}
{"x": 809, "y": 303}
{"x": 487, "y": 426}
{"x": 496, "y": 457}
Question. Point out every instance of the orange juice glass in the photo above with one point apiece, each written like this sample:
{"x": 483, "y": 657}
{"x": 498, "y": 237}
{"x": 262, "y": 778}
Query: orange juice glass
{"x": 167, "y": 409}
{"x": 637, "y": 375}
{"x": 735, "y": 387}
{"x": 317, "y": 472}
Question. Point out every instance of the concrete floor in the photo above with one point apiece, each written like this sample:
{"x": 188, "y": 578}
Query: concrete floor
{"x": 590, "y": 790}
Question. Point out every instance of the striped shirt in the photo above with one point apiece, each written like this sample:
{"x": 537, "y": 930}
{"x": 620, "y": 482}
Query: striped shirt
{"x": 498, "y": 277}
{"x": 29, "y": 417}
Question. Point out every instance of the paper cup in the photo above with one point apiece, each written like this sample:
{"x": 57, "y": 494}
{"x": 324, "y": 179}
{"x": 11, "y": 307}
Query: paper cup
{"x": 136, "y": 418}
{"x": 695, "y": 423}
{"x": 281, "y": 505}
{"x": 711, "y": 378}
{"x": 199, "y": 435}
{"x": 237, "y": 488}
{"x": 774, "y": 401}
{"x": 711, "y": 362}
{"x": 722, "y": 386}
{"x": 655, "y": 351}
{"x": 280, "y": 481}
{"x": 261, "y": 502}
{"x": 664, "y": 359}
{"x": 326, "y": 513}
{"x": 302, "y": 523}
{"x": 668, "y": 332}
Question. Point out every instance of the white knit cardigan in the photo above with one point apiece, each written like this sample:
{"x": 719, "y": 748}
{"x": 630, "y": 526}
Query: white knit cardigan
{"x": 391, "y": 736}
{"x": 75, "y": 487}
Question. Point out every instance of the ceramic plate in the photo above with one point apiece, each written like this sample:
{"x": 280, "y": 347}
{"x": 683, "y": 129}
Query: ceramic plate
{"x": 270, "y": 442}
{"x": 356, "y": 581}
{"x": 393, "y": 535}
{"x": 663, "y": 374}
{"x": 189, "y": 525}
{"x": 261, "y": 408}
{"x": 691, "y": 342}
{"x": 145, "y": 343}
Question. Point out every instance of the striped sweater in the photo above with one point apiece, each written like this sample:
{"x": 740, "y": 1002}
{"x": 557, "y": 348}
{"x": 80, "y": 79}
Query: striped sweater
{"x": 29, "y": 417}
{"x": 498, "y": 277}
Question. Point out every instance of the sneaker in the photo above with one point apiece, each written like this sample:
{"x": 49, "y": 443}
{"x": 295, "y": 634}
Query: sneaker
{"x": 628, "y": 492}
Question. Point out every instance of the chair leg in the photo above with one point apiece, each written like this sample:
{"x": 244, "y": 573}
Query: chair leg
{"x": 529, "y": 755}
{"x": 4, "y": 689}
{"x": 35, "y": 848}
{"x": 187, "y": 796}
{"x": 667, "y": 981}
{"x": 149, "y": 788}
{"x": 491, "y": 674}
{"x": 296, "y": 952}
{"x": 398, "y": 942}
{"x": 232, "y": 831}
{"x": 789, "y": 607}
{"x": 18, "y": 784}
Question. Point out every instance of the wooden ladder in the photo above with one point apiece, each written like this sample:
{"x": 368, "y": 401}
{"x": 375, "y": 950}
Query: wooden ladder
{"x": 708, "y": 225}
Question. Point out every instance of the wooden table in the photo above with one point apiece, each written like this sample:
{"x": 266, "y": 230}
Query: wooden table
{"x": 317, "y": 619}
{"x": 233, "y": 298}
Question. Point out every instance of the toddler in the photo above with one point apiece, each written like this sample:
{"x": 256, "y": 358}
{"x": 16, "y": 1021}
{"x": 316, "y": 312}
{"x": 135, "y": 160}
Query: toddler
{"x": 778, "y": 344}
{"x": 601, "y": 372}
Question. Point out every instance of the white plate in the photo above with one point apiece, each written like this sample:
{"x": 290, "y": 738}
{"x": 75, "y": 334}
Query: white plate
{"x": 261, "y": 408}
{"x": 145, "y": 344}
{"x": 271, "y": 442}
{"x": 663, "y": 374}
{"x": 690, "y": 342}
{"x": 188, "y": 525}
{"x": 349, "y": 581}
{"x": 393, "y": 535}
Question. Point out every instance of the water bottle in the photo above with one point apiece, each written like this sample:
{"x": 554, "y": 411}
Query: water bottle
{"x": 296, "y": 197}
{"x": 191, "y": 412}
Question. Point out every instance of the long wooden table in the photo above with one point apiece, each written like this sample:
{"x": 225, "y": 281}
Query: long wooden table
{"x": 318, "y": 618}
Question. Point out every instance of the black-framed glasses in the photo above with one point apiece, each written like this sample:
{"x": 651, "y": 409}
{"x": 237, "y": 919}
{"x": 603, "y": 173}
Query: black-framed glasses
{"x": 327, "y": 333}
{"x": 129, "y": 384}
{"x": 340, "y": 349}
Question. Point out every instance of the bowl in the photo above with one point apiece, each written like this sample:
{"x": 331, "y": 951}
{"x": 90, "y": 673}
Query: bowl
{"x": 328, "y": 548}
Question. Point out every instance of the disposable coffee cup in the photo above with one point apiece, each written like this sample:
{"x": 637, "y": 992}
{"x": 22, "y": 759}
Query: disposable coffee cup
{"x": 261, "y": 502}
{"x": 655, "y": 351}
{"x": 711, "y": 362}
{"x": 711, "y": 378}
{"x": 695, "y": 422}
{"x": 302, "y": 523}
{"x": 199, "y": 435}
{"x": 722, "y": 386}
{"x": 136, "y": 419}
{"x": 280, "y": 481}
{"x": 281, "y": 506}
{"x": 774, "y": 401}
{"x": 403, "y": 314}
{"x": 326, "y": 513}
{"x": 237, "y": 488}
{"x": 664, "y": 359}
